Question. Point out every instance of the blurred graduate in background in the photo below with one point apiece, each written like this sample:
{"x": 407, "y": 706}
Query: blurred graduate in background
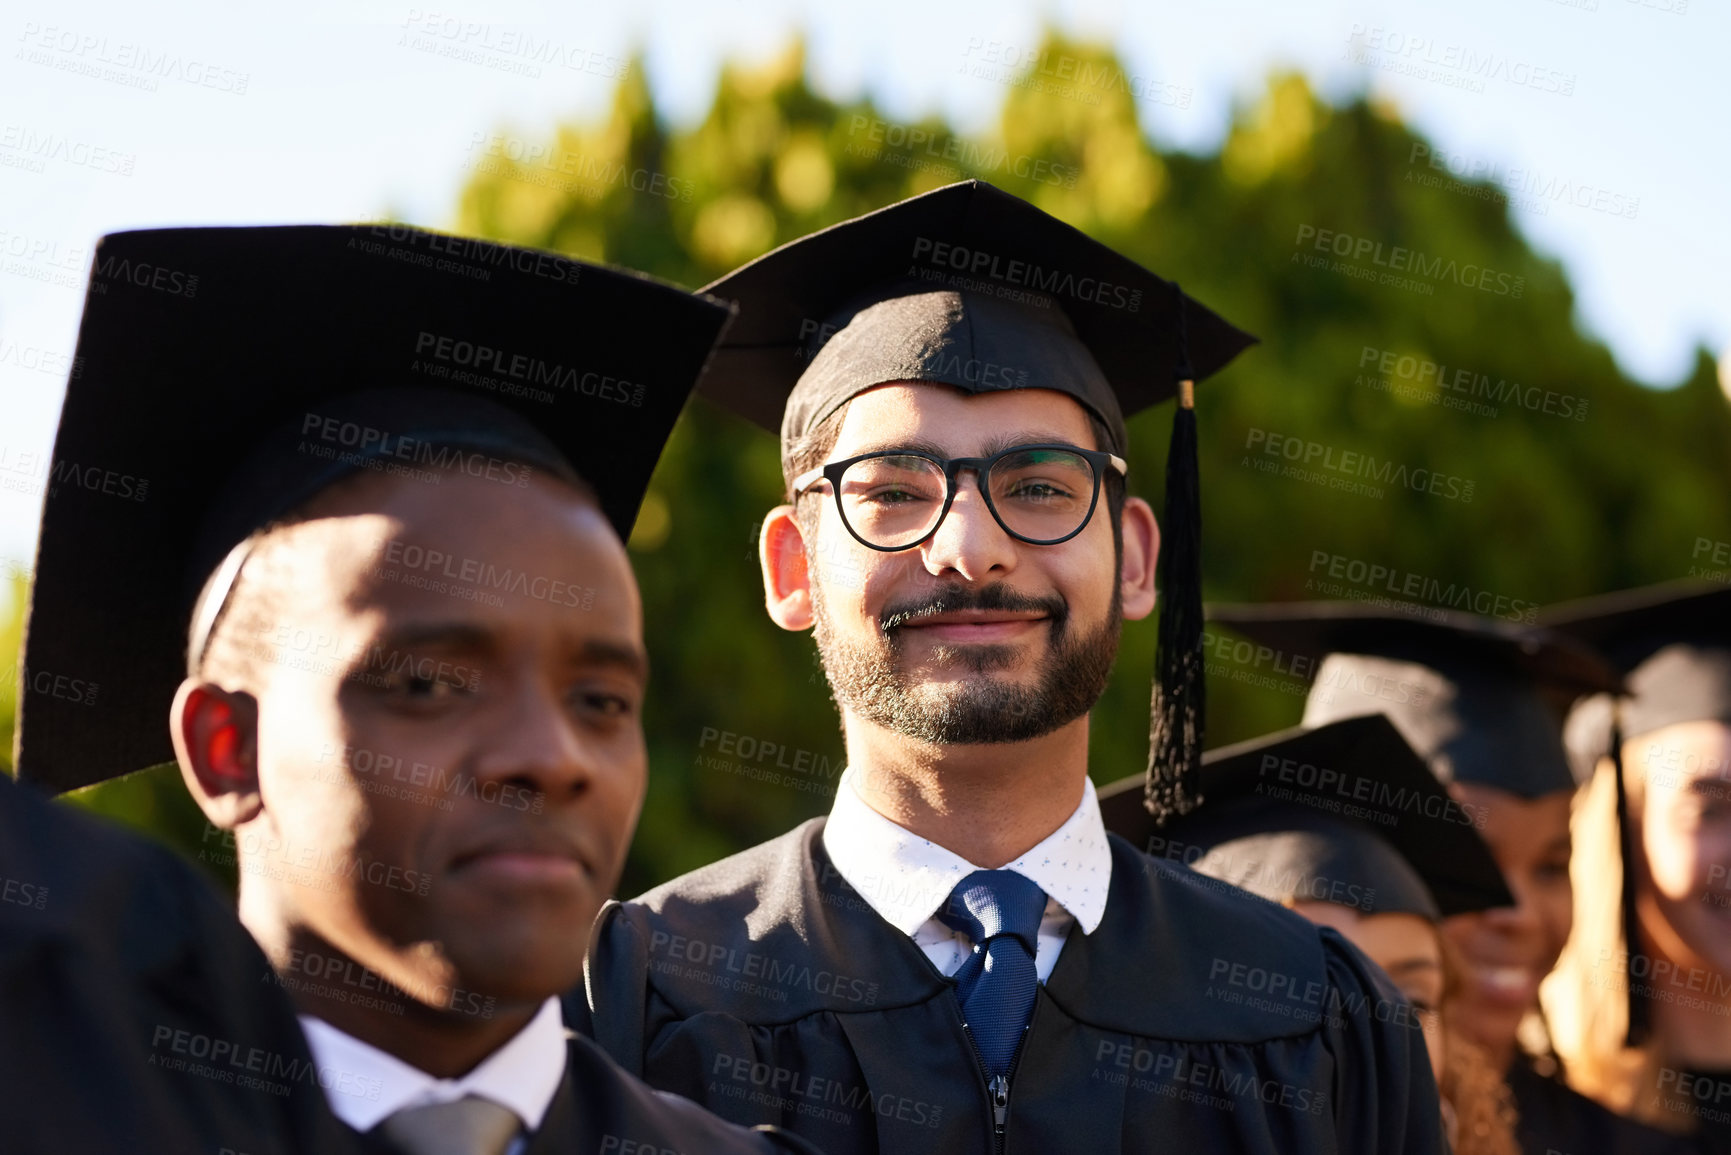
{"x": 1482, "y": 702}
{"x": 1383, "y": 869}
{"x": 1640, "y": 1005}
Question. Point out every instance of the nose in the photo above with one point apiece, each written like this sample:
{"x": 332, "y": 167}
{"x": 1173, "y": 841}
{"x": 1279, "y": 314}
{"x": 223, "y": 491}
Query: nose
{"x": 532, "y": 743}
{"x": 969, "y": 542}
{"x": 1522, "y": 918}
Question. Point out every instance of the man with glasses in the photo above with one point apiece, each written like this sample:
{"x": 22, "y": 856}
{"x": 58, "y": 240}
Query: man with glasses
{"x": 960, "y": 959}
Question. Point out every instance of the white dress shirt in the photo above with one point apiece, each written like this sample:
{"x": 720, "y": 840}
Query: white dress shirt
{"x": 906, "y": 879}
{"x": 365, "y": 1085}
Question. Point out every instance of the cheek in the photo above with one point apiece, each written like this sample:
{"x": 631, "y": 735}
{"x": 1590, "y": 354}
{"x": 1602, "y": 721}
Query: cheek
{"x": 619, "y": 766}
{"x": 1557, "y": 913}
{"x": 1552, "y": 902}
{"x": 1082, "y": 568}
{"x": 1672, "y": 850}
{"x": 615, "y": 801}
{"x": 1433, "y": 1043}
{"x": 843, "y": 567}
{"x": 342, "y": 779}
{"x": 629, "y": 781}
{"x": 1083, "y": 572}
{"x": 304, "y": 755}
{"x": 1462, "y": 931}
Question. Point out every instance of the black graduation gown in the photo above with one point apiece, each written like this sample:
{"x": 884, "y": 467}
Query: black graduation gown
{"x": 1709, "y": 1095}
{"x": 1556, "y": 1118}
{"x": 1195, "y": 1018}
{"x": 600, "y": 1110}
{"x": 132, "y": 1012}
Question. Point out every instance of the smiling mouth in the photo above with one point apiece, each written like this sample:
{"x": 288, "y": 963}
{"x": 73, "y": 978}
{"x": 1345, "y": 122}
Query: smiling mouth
{"x": 1506, "y": 984}
{"x": 974, "y": 626}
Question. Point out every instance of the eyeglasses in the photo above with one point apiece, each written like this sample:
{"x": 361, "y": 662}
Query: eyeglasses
{"x": 895, "y": 499}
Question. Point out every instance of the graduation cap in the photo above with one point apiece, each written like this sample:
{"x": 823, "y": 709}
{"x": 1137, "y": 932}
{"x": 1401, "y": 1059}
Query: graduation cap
{"x": 1346, "y": 813}
{"x": 971, "y": 287}
{"x": 1480, "y": 699}
{"x": 1672, "y": 642}
{"x": 228, "y": 374}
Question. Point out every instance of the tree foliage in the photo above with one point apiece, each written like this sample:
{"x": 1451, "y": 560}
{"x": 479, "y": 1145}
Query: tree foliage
{"x": 1611, "y": 487}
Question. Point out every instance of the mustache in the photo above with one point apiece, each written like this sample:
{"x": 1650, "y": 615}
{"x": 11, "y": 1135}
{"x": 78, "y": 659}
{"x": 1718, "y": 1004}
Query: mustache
{"x": 955, "y": 599}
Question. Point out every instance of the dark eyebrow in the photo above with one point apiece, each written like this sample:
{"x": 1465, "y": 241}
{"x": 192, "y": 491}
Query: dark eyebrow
{"x": 448, "y": 635}
{"x": 1011, "y": 440}
{"x": 993, "y": 445}
{"x": 467, "y": 636}
{"x": 631, "y": 659}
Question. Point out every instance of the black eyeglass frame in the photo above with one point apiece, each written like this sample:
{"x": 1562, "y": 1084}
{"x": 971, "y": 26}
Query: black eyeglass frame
{"x": 832, "y": 472}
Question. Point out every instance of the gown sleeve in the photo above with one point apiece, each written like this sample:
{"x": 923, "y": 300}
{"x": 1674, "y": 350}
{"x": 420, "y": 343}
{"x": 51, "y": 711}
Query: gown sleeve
{"x": 138, "y": 1013}
{"x": 1385, "y": 1094}
{"x": 613, "y": 1003}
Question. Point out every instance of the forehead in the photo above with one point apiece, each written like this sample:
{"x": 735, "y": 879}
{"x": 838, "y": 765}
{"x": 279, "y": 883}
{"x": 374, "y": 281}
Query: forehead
{"x": 960, "y": 422}
{"x": 464, "y": 547}
{"x": 1683, "y": 751}
{"x": 1394, "y": 938}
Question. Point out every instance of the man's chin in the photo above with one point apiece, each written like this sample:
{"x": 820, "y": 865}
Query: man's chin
{"x": 513, "y": 978}
{"x": 951, "y": 676}
{"x": 959, "y": 665}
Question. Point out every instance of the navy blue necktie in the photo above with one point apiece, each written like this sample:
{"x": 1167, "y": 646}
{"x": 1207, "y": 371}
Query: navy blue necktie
{"x": 1000, "y": 911}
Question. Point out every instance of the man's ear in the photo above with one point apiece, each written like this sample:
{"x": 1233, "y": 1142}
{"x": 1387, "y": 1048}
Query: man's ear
{"x": 786, "y": 577}
{"x": 1141, "y": 555}
{"x": 216, "y": 741}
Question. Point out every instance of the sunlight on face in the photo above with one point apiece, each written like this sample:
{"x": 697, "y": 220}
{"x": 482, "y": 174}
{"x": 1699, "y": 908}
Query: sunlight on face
{"x": 972, "y": 636}
{"x": 1679, "y": 782}
{"x": 449, "y": 781}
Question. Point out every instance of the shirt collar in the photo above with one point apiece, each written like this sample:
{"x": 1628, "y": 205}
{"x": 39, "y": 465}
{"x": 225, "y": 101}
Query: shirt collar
{"x": 906, "y": 878}
{"x": 365, "y": 1085}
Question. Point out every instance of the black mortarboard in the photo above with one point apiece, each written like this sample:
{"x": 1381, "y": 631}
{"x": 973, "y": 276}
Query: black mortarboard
{"x": 1671, "y": 641}
{"x": 971, "y": 287}
{"x": 1480, "y": 699}
{"x": 1345, "y": 813}
{"x": 228, "y": 374}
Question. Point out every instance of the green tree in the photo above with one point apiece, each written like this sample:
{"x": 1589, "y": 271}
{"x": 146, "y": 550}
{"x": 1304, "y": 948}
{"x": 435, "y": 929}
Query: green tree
{"x": 744, "y": 740}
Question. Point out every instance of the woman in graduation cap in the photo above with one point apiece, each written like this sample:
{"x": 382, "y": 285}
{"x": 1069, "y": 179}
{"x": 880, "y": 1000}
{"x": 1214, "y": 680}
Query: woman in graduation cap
{"x": 1640, "y": 1005}
{"x": 1482, "y": 702}
{"x": 1383, "y": 869}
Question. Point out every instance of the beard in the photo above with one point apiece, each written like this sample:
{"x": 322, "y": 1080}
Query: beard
{"x": 872, "y": 678}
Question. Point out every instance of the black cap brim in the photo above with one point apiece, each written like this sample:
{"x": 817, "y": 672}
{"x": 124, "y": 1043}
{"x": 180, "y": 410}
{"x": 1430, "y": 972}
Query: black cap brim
{"x": 1481, "y": 699}
{"x": 1673, "y": 643}
{"x": 1358, "y": 773}
{"x": 1630, "y": 625}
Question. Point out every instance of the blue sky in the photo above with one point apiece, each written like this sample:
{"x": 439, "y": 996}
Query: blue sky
{"x": 112, "y": 118}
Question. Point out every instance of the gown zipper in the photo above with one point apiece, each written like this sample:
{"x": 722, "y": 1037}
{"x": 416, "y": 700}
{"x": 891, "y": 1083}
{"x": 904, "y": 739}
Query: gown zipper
{"x": 997, "y": 1087}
